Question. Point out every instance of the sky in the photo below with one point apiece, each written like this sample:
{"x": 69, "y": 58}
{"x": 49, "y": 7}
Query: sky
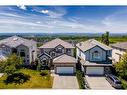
{"x": 63, "y": 19}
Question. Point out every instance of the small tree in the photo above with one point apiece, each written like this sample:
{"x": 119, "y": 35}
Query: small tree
{"x": 12, "y": 64}
{"x": 121, "y": 66}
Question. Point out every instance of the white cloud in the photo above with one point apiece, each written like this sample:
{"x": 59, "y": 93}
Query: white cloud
{"x": 38, "y": 22}
{"x": 56, "y": 13}
{"x": 23, "y": 7}
{"x": 45, "y": 11}
{"x": 10, "y": 15}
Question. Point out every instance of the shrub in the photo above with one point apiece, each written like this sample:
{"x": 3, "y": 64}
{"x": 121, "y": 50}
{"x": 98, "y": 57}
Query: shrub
{"x": 124, "y": 83}
{"x": 44, "y": 73}
{"x": 121, "y": 67}
{"x": 80, "y": 79}
{"x": 2, "y": 66}
{"x": 17, "y": 78}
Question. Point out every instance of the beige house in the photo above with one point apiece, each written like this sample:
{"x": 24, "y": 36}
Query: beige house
{"x": 27, "y": 49}
{"x": 58, "y": 54}
{"x": 94, "y": 57}
{"x": 119, "y": 49}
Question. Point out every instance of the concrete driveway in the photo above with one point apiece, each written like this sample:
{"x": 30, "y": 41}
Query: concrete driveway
{"x": 98, "y": 83}
{"x": 65, "y": 82}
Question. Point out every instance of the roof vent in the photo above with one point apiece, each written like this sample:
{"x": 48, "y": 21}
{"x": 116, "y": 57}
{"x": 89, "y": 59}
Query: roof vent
{"x": 15, "y": 39}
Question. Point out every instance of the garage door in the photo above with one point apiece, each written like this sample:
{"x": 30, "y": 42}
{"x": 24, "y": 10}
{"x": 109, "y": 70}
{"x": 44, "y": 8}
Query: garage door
{"x": 95, "y": 70}
{"x": 65, "y": 70}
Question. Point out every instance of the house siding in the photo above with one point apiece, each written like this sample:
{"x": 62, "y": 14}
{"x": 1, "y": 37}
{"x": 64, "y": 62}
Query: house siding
{"x": 87, "y": 56}
{"x": 101, "y": 51}
{"x": 116, "y": 54}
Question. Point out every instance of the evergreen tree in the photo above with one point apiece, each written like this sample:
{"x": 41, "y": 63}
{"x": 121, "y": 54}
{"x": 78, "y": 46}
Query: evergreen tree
{"x": 105, "y": 38}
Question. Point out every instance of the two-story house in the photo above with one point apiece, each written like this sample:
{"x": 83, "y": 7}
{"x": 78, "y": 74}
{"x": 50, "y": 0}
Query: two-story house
{"x": 119, "y": 49}
{"x": 94, "y": 57}
{"x": 25, "y": 48}
{"x": 58, "y": 54}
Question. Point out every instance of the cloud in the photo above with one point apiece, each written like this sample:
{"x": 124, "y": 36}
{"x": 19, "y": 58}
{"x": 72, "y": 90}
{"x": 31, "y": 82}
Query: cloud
{"x": 23, "y": 7}
{"x": 10, "y": 15}
{"x": 56, "y": 13}
{"x": 45, "y": 11}
{"x": 116, "y": 22}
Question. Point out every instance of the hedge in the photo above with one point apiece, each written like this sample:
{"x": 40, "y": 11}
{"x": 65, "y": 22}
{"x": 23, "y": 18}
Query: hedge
{"x": 80, "y": 79}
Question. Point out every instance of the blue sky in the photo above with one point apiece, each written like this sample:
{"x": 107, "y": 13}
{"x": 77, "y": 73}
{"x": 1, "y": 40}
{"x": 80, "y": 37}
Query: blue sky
{"x": 63, "y": 19}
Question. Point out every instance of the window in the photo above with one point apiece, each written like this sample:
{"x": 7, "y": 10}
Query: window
{"x": 27, "y": 56}
{"x": 68, "y": 50}
{"x": 22, "y": 50}
{"x": 14, "y": 50}
{"x": 53, "y": 53}
{"x": 22, "y": 54}
{"x": 96, "y": 55}
{"x": 44, "y": 62}
{"x": 79, "y": 53}
{"x": 28, "y": 61}
{"x": 59, "y": 50}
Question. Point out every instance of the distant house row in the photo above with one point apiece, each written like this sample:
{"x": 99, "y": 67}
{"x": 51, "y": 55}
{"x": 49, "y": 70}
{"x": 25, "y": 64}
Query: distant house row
{"x": 94, "y": 57}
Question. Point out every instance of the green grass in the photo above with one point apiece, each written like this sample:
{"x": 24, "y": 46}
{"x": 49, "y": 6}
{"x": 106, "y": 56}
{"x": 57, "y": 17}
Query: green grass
{"x": 36, "y": 80}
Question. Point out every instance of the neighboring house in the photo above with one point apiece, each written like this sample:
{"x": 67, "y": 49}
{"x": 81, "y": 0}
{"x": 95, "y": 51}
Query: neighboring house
{"x": 27, "y": 49}
{"x": 119, "y": 49}
{"x": 94, "y": 57}
{"x": 59, "y": 55}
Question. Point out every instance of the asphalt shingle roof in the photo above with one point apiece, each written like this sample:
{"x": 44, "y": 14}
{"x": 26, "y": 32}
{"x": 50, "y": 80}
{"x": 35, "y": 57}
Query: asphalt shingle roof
{"x": 121, "y": 45}
{"x": 65, "y": 59}
{"x": 84, "y": 46}
{"x": 56, "y": 42}
{"x": 15, "y": 41}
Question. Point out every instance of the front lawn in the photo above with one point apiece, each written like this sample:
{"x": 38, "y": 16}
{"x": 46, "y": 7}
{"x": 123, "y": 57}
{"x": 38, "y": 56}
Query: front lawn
{"x": 36, "y": 80}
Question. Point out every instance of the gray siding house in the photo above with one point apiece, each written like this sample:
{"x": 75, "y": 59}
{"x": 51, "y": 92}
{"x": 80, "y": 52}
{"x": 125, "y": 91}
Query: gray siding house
{"x": 94, "y": 57}
{"x": 25, "y": 48}
{"x": 55, "y": 54}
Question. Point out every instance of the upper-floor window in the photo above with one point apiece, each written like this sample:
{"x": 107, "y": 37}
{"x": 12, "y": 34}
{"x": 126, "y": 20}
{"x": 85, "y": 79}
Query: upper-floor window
{"x": 53, "y": 53}
{"x": 22, "y": 54}
{"x": 27, "y": 56}
{"x": 22, "y": 50}
{"x": 68, "y": 50}
{"x": 96, "y": 55}
{"x": 59, "y": 50}
{"x": 79, "y": 53}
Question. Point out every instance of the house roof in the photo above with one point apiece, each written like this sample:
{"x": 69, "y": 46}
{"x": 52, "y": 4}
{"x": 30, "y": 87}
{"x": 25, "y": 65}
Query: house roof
{"x": 65, "y": 59}
{"x": 56, "y": 42}
{"x": 84, "y": 46}
{"x": 44, "y": 53}
{"x": 15, "y": 41}
{"x": 120, "y": 45}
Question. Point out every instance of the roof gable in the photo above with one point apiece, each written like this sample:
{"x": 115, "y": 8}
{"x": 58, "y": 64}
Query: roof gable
{"x": 84, "y": 46}
{"x": 54, "y": 43}
{"x": 64, "y": 59}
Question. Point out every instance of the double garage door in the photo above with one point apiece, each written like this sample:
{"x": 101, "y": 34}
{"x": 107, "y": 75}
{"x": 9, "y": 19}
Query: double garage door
{"x": 94, "y": 70}
{"x": 64, "y": 70}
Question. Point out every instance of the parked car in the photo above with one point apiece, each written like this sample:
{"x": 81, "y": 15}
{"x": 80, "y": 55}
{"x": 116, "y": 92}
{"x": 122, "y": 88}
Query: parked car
{"x": 113, "y": 80}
